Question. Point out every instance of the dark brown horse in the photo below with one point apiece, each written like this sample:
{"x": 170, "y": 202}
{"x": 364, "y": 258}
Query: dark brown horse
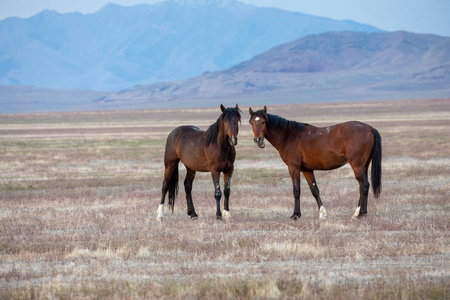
{"x": 305, "y": 148}
{"x": 201, "y": 151}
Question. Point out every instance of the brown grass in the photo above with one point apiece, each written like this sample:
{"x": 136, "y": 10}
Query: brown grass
{"x": 79, "y": 193}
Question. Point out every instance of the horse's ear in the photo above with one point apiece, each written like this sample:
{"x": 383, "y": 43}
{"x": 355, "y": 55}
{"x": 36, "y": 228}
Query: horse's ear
{"x": 222, "y": 107}
{"x": 265, "y": 109}
{"x": 250, "y": 110}
{"x": 237, "y": 106}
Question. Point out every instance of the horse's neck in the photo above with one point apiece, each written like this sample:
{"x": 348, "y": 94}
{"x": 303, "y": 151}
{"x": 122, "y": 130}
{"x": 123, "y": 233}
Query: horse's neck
{"x": 222, "y": 140}
{"x": 275, "y": 137}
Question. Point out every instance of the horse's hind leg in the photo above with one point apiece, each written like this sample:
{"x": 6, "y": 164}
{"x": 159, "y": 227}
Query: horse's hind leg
{"x": 311, "y": 179}
{"x": 190, "y": 175}
{"x": 294, "y": 172}
{"x": 361, "y": 176}
{"x": 168, "y": 172}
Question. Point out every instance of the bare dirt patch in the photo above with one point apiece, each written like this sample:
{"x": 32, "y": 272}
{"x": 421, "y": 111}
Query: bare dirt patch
{"x": 79, "y": 194}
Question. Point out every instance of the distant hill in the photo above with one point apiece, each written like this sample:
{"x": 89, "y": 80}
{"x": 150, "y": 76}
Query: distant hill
{"x": 333, "y": 66}
{"x": 119, "y": 47}
{"x": 326, "y": 67}
{"x": 23, "y": 99}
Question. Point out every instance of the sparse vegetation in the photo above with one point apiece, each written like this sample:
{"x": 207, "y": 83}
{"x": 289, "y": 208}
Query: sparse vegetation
{"x": 79, "y": 193}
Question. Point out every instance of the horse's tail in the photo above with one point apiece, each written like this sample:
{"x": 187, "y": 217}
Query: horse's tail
{"x": 173, "y": 187}
{"x": 376, "y": 164}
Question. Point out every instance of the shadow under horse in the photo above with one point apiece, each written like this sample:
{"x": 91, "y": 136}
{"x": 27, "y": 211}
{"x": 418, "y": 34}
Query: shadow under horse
{"x": 305, "y": 148}
{"x": 201, "y": 151}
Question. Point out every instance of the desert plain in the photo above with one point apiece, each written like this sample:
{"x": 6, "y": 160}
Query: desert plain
{"x": 79, "y": 194}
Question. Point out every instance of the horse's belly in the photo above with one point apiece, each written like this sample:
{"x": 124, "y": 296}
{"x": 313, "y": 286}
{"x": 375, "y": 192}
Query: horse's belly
{"x": 335, "y": 165}
{"x": 328, "y": 163}
{"x": 195, "y": 162}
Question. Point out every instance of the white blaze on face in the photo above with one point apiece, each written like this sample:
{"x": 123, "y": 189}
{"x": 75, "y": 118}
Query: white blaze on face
{"x": 257, "y": 119}
{"x": 160, "y": 212}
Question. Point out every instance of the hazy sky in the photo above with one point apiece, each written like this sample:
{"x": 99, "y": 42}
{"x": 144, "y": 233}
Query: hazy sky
{"x": 420, "y": 16}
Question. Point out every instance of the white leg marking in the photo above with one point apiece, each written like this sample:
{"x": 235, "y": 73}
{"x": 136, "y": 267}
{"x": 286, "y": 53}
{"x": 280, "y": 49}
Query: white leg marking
{"x": 226, "y": 214}
{"x": 160, "y": 212}
{"x": 323, "y": 213}
{"x": 357, "y": 212}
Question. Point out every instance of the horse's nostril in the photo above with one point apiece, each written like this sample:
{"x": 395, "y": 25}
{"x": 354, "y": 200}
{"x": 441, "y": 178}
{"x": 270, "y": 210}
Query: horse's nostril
{"x": 259, "y": 141}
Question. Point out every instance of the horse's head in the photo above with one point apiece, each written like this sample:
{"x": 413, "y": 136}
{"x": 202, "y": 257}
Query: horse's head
{"x": 258, "y": 121}
{"x": 231, "y": 117}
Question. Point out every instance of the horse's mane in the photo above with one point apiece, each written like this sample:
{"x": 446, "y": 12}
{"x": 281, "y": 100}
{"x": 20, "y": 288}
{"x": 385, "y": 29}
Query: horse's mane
{"x": 275, "y": 121}
{"x": 213, "y": 130}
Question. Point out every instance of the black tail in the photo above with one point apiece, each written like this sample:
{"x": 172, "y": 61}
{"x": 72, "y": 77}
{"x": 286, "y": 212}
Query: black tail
{"x": 376, "y": 164}
{"x": 173, "y": 187}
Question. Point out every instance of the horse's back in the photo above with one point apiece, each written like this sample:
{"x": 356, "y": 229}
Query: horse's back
{"x": 180, "y": 130}
{"x": 182, "y": 133}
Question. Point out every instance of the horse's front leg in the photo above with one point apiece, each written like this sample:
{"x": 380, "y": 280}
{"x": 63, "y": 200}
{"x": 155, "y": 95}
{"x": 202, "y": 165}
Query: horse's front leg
{"x": 227, "y": 191}
{"x": 294, "y": 172}
{"x": 310, "y": 178}
{"x": 217, "y": 193}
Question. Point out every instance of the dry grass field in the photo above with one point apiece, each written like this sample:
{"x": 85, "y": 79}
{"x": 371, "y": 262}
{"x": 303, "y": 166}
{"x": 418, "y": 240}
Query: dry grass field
{"x": 79, "y": 194}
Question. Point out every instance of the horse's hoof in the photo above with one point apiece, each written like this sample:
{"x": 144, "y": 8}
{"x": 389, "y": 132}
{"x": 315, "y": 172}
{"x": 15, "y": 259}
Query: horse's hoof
{"x": 323, "y": 213}
{"x": 160, "y": 212}
{"x": 194, "y": 217}
{"x": 357, "y": 218}
{"x": 295, "y": 217}
{"x": 357, "y": 213}
{"x": 219, "y": 217}
{"x": 226, "y": 215}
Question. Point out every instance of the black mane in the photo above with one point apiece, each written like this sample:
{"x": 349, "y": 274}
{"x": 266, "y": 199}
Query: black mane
{"x": 275, "y": 121}
{"x": 213, "y": 130}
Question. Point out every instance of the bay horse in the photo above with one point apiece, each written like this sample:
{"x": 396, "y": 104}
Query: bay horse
{"x": 201, "y": 151}
{"x": 305, "y": 148}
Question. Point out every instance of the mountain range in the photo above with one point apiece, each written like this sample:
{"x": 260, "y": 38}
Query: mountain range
{"x": 120, "y": 47}
{"x": 331, "y": 66}
{"x": 185, "y": 53}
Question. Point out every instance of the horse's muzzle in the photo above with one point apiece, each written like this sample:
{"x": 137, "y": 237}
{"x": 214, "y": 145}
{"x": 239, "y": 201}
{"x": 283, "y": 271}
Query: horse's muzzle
{"x": 260, "y": 142}
{"x": 233, "y": 140}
